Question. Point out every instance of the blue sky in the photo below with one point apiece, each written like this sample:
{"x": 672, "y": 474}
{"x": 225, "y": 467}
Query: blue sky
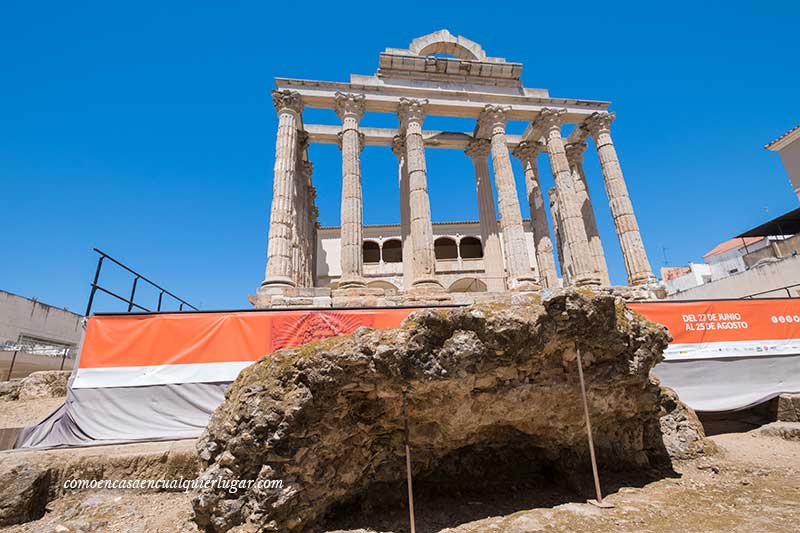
{"x": 147, "y": 129}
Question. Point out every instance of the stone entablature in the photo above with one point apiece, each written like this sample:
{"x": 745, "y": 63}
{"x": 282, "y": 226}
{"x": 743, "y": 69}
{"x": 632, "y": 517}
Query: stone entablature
{"x": 413, "y": 84}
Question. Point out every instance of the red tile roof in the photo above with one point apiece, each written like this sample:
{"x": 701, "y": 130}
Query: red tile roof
{"x": 731, "y": 244}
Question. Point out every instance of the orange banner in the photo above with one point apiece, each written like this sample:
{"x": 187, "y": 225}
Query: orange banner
{"x": 191, "y": 338}
{"x": 725, "y": 320}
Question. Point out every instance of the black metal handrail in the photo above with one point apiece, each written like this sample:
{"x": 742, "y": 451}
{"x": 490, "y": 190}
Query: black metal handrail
{"x": 130, "y": 300}
{"x": 784, "y": 288}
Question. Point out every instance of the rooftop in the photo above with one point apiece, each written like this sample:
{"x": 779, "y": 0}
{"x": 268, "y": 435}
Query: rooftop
{"x": 784, "y": 140}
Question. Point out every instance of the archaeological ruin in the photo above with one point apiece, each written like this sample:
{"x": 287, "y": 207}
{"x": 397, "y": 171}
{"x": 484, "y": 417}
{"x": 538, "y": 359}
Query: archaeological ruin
{"x": 417, "y": 260}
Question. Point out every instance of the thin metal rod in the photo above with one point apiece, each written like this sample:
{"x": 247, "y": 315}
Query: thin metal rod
{"x": 63, "y": 358}
{"x": 94, "y": 285}
{"x": 160, "y": 296}
{"x": 133, "y": 293}
{"x": 121, "y": 298}
{"x": 11, "y": 368}
{"x": 408, "y": 469}
{"x": 589, "y": 428}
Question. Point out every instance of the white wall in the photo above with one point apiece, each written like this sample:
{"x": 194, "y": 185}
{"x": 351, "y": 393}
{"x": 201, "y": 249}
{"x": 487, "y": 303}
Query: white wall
{"x": 23, "y": 316}
{"x": 765, "y": 277}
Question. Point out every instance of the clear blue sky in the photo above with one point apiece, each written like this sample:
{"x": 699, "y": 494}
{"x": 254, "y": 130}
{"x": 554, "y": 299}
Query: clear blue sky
{"x": 147, "y": 129}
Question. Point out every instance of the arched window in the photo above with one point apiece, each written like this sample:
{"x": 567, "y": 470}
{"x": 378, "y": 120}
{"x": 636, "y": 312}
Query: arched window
{"x": 392, "y": 251}
{"x": 372, "y": 253}
{"x": 471, "y": 248}
{"x": 445, "y": 248}
{"x": 467, "y": 285}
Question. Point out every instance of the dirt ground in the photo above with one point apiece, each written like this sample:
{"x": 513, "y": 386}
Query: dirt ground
{"x": 25, "y": 364}
{"x": 22, "y": 413}
{"x": 752, "y": 484}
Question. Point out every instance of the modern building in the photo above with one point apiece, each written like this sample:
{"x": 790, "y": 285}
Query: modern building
{"x": 760, "y": 262}
{"x": 32, "y": 326}
{"x": 788, "y": 147}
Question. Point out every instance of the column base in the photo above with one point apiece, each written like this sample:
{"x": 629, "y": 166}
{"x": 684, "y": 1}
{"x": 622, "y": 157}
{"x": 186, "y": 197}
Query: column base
{"x": 352, "y": 283}
{"x": 525, "y": 285}
{"x": 586, "y": 280}
{"x": 277, "y": 282}
{"x": 642, "y": 278}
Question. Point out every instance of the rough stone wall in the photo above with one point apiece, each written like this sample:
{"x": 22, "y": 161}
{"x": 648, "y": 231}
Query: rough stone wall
{"x": 327, "y": 418}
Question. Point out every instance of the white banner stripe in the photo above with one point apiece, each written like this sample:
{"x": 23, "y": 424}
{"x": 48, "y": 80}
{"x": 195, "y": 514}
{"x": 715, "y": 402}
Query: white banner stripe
{"x": 139, "y": 376}
{"x": 719, "y": 350}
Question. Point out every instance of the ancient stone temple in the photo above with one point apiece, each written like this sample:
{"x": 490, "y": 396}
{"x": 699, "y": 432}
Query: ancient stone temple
{"x": 419, "y": 261}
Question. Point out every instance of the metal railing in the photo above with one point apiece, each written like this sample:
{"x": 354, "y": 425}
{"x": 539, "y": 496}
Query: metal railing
{"x": 131, "y": 299}
{"x": 784, "y": 288}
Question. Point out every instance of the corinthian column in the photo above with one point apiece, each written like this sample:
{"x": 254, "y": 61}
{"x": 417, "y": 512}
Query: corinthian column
{"x": 478, "y": 151}
{"x": 518, "y": 263}
{"x": 399, "y": 149}
{"x": 630, "y": 240}
{"x": 350, "y": 108}
{"x": 572, "y": 228}
{"x": 305, "y": 202}
{"x": 526, "y": 152}
{"x": 411, "y": 114}
{"x": 282, "y": 217}
{"x": 563, "y": 252}
{"x": 575, "y": 157}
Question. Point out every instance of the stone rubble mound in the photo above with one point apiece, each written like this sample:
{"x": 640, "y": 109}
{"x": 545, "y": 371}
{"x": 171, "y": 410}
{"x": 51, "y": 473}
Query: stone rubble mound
{"x": 326, "y": 418}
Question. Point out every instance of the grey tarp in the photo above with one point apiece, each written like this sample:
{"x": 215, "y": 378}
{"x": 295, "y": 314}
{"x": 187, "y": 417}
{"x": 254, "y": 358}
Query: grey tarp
{"x": 126, "y": 414}
{"x": 730, "y": 383}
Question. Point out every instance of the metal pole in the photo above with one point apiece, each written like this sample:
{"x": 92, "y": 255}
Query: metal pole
{"x": 160, "y": 296}
{"x": 133, "y": 293}
{"x": 408, "y": 468}
{"x": 63, "y": 358}
{"x": 11, "y": 368}
{"x": 94, "y": 285}
{"x": 589, "y": 434}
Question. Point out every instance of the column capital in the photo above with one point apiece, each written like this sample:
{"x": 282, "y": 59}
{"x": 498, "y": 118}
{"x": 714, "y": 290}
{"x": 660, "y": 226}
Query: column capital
{"x": 527, "y": 151}
{"x": 411, "y": 110}
{"x": 340, "y": 135}
{"x": 600, "y": 122}
{"x": 349, "y": 105}
{"x": 575, "y": 152}
{"x": 478, "y": 148}
{"x": 287, "y": 100}
{"x": 551, "y": 119}
{"x": 399, "y": 146}
{"x": 493, "y": 119}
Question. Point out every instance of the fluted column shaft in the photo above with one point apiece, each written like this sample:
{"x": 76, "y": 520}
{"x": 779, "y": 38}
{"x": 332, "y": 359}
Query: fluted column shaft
{"x": 573, "y": 231}
{"x": 478, "y": 150}
{"x": 350, "y": 108}
{"x": 526, "y": 153}
{"x": 305, "y": 213}
{"x": 411, "y": 114}
{"x": 630, "y": 239}
{"x": 563, "y": 252}
{"x": 399, "y": 149}
{"x": 575, "y": 157}
{"x": 518, "y": 262}
{"x": 282, "y": 215}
